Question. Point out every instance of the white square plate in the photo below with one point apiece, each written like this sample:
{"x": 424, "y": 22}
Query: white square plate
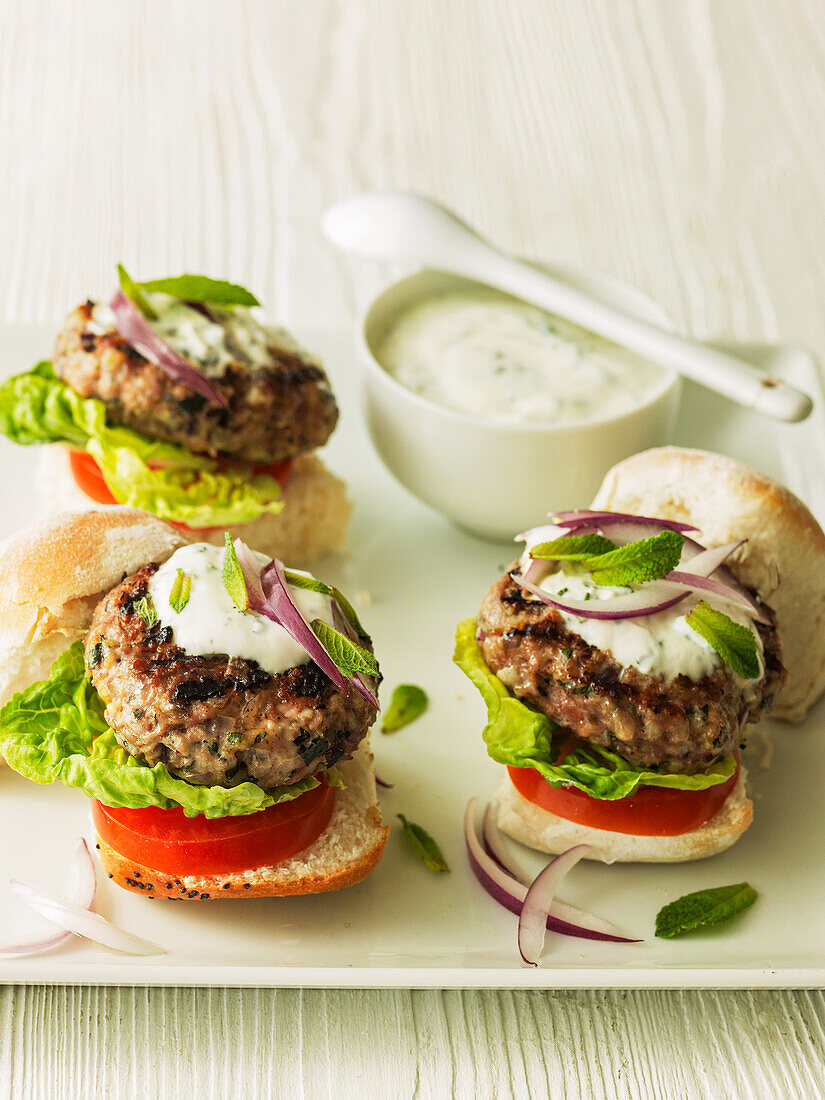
{"x": 405, "y": 926}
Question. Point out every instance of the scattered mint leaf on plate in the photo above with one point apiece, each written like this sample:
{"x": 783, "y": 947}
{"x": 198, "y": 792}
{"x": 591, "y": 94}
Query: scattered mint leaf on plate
{"x": 350, "y": 658}
{"x": 146, "y": 609}
{"x": 132, "y": 291}
{"x": 735, "y": 644}
{"x": 408, "y": 703}
{"x": 232, "y": 574}
{"x": 200, "y": 288}
{"x": 637, "y": 562}
{"x": 180, "y": 591}
{"x": 572, "y": 548}
{"x": 424, "y": 847}
{"x": 704, "y": 909}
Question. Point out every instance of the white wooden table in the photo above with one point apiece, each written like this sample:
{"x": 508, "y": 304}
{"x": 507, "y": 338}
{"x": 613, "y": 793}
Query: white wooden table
{"x": 679, "y": 144}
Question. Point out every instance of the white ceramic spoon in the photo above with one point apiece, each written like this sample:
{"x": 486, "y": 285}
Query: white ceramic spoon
{"x": 403, "y": 226}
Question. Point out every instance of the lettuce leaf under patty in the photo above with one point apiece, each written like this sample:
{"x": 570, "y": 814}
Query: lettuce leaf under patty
{"x": 36, "y": 407}
{"x": 56, "y": 731}
{"x": 517, "y": 735}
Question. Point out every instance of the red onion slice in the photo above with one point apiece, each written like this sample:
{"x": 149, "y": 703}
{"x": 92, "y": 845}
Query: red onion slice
{"x": 496, "y": 848}
{"x": 575, "y": 519}
{"x": 546, "y": 533}
{"x": 382, "y": 782}
{"x": 83, "y": 895}
{"x": 532, "y": 923}
{"x": 649, "y": 600}
{"x": 133, "y": 326}
{"x": 562, "y": 918}
{"x": 77, "y": 919}
{"x": 279, "y": 606}
{"x": 251, "y": 569}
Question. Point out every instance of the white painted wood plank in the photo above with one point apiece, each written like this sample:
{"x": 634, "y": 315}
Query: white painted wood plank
{"x": 678, "y": 145}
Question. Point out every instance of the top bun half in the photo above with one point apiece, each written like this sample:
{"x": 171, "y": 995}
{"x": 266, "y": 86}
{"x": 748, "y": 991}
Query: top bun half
{"x": 54, "y": 573}
{"x": 783, "y": 559}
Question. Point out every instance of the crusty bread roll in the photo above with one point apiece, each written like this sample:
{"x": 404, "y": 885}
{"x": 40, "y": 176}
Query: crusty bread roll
{"x": 783, "y": 559}
{"x": 54, "y": 574}
{"x": 344, "y": 854}
{"x": 313, "y": 521}
{"x": 538, "y": 828}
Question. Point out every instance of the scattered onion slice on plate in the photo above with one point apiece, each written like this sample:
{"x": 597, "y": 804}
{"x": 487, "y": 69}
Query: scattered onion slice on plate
{"x": 81, "y": 921}
{"x": 76, "y": 916}
{"x": 133, "y": 326}
{"x": 532, "y": 922}
{"x": 383, "y": 783}
{"x": 510, "y": 893}
{"x": 85, "y": 888}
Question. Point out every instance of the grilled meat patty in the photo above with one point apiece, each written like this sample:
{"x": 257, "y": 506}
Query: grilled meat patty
{"x": 275, "y": 412}
{"x": 215, "y": 720}
{"x": 681, "y": 725}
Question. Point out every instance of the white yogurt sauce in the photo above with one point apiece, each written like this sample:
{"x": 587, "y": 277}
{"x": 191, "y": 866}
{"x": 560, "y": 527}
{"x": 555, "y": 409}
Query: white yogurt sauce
{"x": 489, "y": 355}
{"x": 210, "y": 622}
{"x": 662, "y": 645}
{"x": 239, "y": 337}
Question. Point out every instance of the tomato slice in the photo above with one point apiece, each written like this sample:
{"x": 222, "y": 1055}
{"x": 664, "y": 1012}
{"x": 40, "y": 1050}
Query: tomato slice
{"x": 651, "y": 811}
{"x": 89, "y": 478}
{"x": 170, "y": 842}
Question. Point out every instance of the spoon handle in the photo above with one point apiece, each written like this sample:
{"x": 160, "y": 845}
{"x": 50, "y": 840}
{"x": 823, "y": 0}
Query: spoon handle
{"x": 722, "y": 373}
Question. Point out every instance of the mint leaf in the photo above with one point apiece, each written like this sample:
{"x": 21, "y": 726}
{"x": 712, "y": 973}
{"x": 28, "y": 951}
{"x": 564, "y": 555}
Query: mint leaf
{"x": 200, "y": 288}
{"x": 734, "y": 643}
{"x": 132, "y": 291}
{"x": 351, "y": 658}
{"x": 645, "y": 560}
{"x": 181, "y": 590}
{"x": 704, "y": 909}
{"x": 572, "y": 548}
{"x": 408, "y": 703}
{"x": 146, "y": 609}
{"x": 424, "y": 847}
{"x": 232, "y": 574}
{"x": 298, "y": 580}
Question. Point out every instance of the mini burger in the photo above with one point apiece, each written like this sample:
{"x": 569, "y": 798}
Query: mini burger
{"x": 173, "y": 398}
{"x": 625, "y": 654}
{"x": 212, "y": 704}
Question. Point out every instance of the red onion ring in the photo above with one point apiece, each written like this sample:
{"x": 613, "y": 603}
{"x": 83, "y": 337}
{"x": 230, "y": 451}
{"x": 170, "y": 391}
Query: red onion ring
{"x": 532, "y": 923}
{"x": 133, "y": 326}
{"x": 511, "y": 894}
{"x": 382, "y": 782}
{"x": 74, "y": 918}
{"x": 586, "y": 515}
{"x": 650, "y": 600}
{"x": 85, "y": 888}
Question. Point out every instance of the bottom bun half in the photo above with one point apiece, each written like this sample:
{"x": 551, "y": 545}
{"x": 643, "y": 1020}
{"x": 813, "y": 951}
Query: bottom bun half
{"x": 344, "y": 854}
{"x": 313, "y": 521}
{"x": 538, "y": 828}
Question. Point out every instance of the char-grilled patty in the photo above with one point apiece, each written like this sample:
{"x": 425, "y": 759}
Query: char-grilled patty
{"x": 214, "y": 720}
{"x": 682, "y": 725}
{"x": 275, "y": 412}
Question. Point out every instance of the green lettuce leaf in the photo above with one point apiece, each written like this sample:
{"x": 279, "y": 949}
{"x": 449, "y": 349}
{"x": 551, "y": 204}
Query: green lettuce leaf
{"x": 56, "y": 731}
{"x": 36, "y": 407}
{"x": 523, "y": 738}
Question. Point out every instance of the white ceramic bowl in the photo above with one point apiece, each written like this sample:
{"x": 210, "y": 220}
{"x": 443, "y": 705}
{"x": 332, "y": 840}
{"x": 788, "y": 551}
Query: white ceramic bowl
{"x": 497, "y": 479}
